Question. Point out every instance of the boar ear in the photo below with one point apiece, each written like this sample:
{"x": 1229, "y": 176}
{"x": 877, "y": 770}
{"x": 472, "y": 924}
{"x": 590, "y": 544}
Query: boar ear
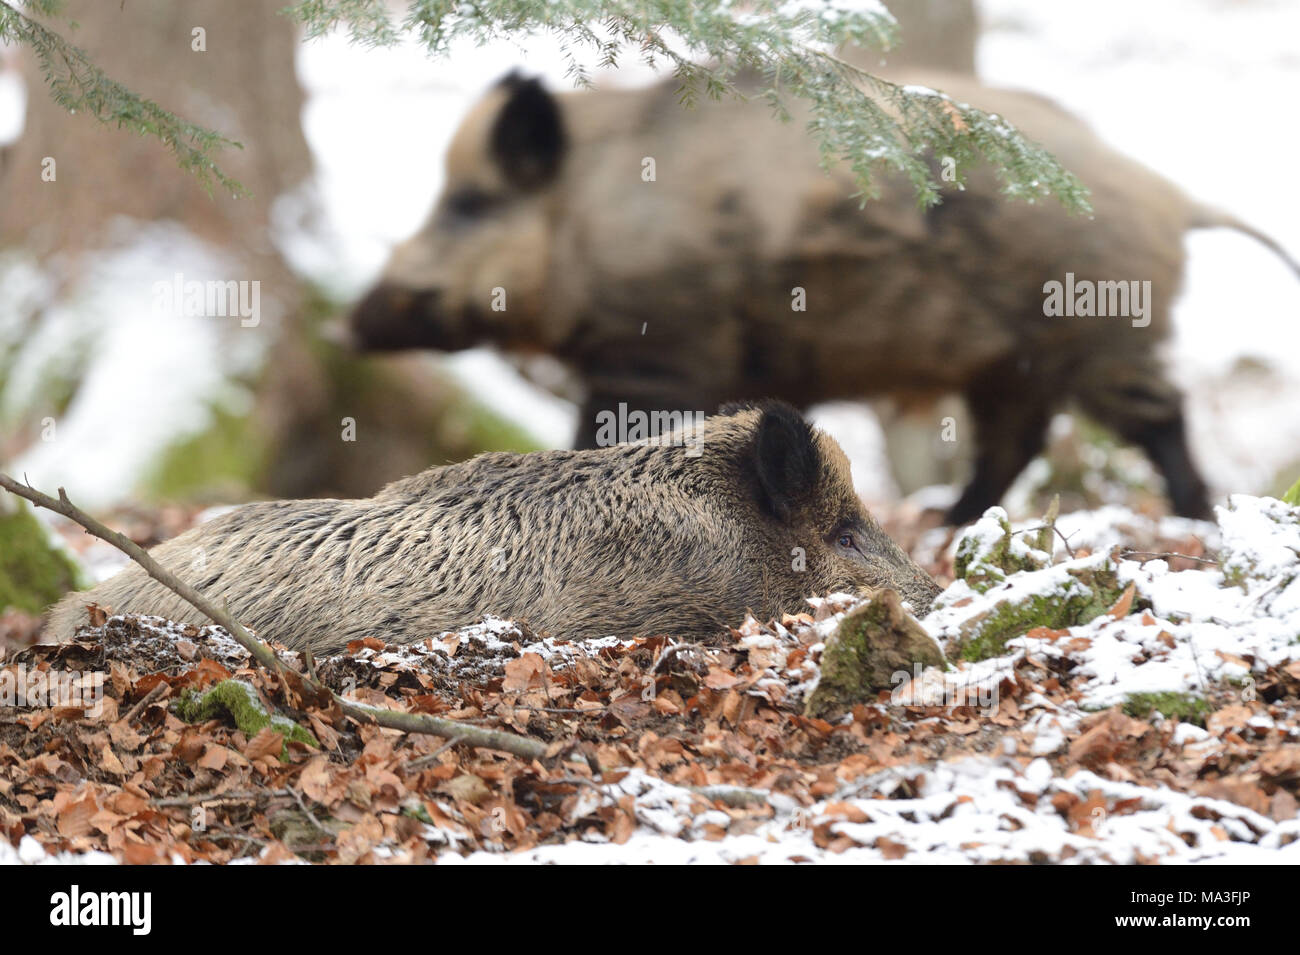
{"x": 734, "y": 407}
{"x": 527, "y": 140}
{"x": 786, "y": 460}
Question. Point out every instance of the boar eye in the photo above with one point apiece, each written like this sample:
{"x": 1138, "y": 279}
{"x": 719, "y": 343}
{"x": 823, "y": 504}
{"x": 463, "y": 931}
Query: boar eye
{"x": 468, "y": 203}
{"x": 846, "y": 541}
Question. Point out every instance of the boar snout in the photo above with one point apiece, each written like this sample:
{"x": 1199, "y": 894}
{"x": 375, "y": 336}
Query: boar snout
{"x": 392, "y": 317}
{"x": 890, "y": 567}
{"x": 921, "y": 592}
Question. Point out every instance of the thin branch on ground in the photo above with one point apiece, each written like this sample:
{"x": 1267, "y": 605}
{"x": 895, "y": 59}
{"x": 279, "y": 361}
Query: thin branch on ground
{"x": 420, "y": 763}
{"x": 1149, "y": 555}
{"x": 1065, "y": 541}
{"x": 302, "y": 804}
{"x": 392, "y": 719}
{"x": 246, "y": 795}
{"x": 153, "y": 695}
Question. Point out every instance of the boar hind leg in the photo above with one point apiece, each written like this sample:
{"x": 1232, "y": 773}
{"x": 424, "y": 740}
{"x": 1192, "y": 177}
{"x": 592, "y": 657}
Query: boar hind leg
{"x": 1166, "y": 445}
{"x": 1010, "y": 416}
{"x": 1140, "y": 405}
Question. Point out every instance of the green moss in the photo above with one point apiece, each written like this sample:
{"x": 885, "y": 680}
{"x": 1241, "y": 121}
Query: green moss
{"x": 1088, "y": 594}
{"x": 225, "y": 461}
{"x": 1183, "y": 707}
{"x": 1292, "y": 496}
{"x": 484, "y": 430}
{"x": 984, "y": 560}
{"x": 239, "y": 701}
{"x": 870, "y": 647}
{"x": 414, "y": 808}
{"x": 33, "y": 572}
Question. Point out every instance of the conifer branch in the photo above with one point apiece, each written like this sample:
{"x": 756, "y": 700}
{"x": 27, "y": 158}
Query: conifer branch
{"x": 76, "y": 84}
{"x": 713, "y": 48}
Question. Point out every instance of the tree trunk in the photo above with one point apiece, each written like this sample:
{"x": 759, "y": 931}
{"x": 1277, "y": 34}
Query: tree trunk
{"x": 243, "y": 86}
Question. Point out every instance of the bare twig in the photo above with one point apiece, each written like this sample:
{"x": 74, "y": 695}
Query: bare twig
{"x": 393, "y": 719}
{"x": 1148, "y": 555}
{"x": 562, "y": 710}
{"x": 1277, "y": 582}
{"x": 221, "y": 832}
{"x": 297, "y": 796}
{"x": 601, "y": 788}
{"x": 247, "y": 795}
{"x": 155, "y": 694}
{"x": 480, "y": 736}
{"x": 1065, "y": 541}
{"x": 260, "y": 651}
{"x": 420, "y": 763}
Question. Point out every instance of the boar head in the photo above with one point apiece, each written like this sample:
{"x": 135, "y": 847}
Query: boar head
{"x": 476, "y": 271}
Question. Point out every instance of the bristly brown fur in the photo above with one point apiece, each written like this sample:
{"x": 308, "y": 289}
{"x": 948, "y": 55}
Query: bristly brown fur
{"x": 636, "y": 539}
{"x": 676, "y": 293}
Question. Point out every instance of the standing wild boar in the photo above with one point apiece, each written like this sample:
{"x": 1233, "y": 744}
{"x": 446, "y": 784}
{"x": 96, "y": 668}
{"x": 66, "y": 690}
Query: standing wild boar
{"x": 750, "y": 511}
{"x": 678, "y": 258}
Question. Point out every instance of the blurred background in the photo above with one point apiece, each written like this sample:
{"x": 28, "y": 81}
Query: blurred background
{"x": 155, "y": 418}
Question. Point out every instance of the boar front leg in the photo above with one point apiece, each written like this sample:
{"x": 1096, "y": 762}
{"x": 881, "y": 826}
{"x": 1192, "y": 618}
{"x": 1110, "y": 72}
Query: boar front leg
{"x": 1011, "y": 417}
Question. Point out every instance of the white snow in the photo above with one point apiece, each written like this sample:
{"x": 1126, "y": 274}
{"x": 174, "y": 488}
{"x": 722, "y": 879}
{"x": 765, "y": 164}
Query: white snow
{"x": 974, "y": 809}
{"x": 13, "y": 104}
{"x": 965, "y": 811}
{"x": 152, "y": 375}
{"x": 1204, "y": 628}
{"x": 31, "y": 852}
{"x": 1149, "y": 77}
{"x": 1203, "y": 622}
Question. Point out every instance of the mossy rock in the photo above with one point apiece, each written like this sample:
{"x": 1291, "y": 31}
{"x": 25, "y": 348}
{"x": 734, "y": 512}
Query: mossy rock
{"x": 989, "y": 552}
{"x": 1088, "y": 591}
{"x": 1183, "y": 707}
{"x": 239, "y": 701}
{"x": 872, "y": 644}
{"x": 34, "y": 573}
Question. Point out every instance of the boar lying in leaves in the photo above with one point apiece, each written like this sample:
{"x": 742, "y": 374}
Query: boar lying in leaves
{"x": 675, "y": 290}
{"x": 755, "y": 511}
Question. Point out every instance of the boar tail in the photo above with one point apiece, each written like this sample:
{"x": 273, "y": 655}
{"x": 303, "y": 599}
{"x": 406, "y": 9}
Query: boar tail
{"x": 1207, "y": 217}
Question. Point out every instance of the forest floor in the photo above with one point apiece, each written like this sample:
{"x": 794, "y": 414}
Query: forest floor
{"x": 1162, "y": 727}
